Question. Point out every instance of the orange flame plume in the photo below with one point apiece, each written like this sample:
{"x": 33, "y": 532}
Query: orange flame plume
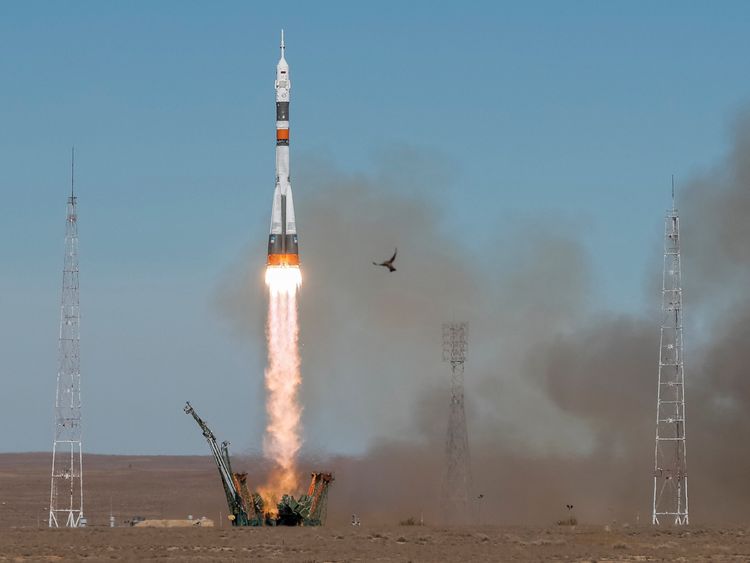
{"x": 282, "y": 440}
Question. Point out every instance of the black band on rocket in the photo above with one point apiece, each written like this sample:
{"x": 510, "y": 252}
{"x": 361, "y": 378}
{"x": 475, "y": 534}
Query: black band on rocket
{"x": 282, "y": 111}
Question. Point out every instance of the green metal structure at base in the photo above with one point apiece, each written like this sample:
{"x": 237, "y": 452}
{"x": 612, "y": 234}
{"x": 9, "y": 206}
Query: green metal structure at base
{"x": 248, "y": 509}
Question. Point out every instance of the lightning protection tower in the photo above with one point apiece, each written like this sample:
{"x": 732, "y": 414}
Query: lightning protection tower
{"x": 670, "y": 469}
{"x": 457, "y": 478}
{"x": 66, "y": 490}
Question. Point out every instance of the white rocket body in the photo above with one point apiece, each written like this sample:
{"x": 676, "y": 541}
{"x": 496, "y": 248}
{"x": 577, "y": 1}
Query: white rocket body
{"x": 283, "y": 247}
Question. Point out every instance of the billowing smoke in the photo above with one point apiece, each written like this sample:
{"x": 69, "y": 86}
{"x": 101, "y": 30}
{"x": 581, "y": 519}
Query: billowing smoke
{"x": 560, "y": 398}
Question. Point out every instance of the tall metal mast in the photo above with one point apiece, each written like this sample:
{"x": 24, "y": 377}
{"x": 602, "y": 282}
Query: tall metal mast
{"x": 457, "y": 478}
{"x": 66, "y": 490}
{"x": 670, "y": 463}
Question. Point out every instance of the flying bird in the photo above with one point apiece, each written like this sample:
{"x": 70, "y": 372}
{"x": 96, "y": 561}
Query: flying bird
{"x": 388, "y": 263}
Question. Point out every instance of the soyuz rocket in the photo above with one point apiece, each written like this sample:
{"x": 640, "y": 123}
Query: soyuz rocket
{"x": 283, "y": 249}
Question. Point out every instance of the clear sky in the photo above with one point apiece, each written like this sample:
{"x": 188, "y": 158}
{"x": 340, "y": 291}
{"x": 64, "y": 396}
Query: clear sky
{"x": 578, "y": 109}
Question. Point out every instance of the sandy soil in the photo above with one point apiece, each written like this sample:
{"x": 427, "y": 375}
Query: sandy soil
{"x": 394, "y": 543}
{"x": 147, "y": 486}
{"x": 172, "y": 487}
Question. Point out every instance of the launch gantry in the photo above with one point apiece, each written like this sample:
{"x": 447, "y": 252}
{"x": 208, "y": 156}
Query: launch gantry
{"x": 248, "y": 509}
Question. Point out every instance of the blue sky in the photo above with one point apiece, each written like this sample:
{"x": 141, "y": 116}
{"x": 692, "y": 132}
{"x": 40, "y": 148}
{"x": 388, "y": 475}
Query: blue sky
{"x": 578, "y": 110}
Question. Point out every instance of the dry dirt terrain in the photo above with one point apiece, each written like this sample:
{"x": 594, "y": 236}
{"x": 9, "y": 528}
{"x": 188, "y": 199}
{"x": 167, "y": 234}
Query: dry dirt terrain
{"x": 394, "y": 543}
{"x": 172, "y": 487}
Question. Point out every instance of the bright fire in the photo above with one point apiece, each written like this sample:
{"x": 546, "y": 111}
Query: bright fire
{"x": 282, "y": 440}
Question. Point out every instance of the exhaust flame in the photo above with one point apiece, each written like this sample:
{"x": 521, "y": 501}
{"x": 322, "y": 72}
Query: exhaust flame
{"x": 282, "y": 440}
{"x": 283, "y": 279}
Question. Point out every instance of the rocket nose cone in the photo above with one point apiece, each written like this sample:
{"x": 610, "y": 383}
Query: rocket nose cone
{"x": 283, "y": 48}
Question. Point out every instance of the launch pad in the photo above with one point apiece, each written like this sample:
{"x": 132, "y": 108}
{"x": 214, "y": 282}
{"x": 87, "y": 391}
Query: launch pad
{"x": 249, "y": 509}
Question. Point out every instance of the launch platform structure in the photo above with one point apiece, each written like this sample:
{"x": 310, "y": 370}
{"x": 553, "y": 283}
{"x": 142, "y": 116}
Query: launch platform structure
{"x": 670, "y": 503}
{"x": 248, "y": 508}
{"x": 457, "y": 477}
{"x": 66, "y": 489}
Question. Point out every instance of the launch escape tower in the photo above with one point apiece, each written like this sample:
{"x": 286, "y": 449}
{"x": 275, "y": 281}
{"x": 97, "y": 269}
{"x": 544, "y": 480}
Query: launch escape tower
{"x": 457, "y": 478}
{"x": 670, "y": 469}
{"x": 66, "y": 490}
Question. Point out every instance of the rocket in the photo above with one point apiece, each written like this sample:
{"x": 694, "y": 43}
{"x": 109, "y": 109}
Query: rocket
{"x": 283, "y": 249}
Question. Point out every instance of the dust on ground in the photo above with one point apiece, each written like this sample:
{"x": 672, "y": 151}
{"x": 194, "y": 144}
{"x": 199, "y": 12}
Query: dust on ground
{"x": 173, "y": 487}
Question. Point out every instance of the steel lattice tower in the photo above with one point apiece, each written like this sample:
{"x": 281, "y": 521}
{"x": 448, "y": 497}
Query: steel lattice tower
{"x": 457, "y": 479}
{"x": 66, "y": 490}
{"x": 670, "y": 468}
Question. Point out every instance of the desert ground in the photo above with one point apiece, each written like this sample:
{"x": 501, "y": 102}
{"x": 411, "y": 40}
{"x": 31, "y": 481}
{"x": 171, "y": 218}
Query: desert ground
{"x": 173, "y": 487}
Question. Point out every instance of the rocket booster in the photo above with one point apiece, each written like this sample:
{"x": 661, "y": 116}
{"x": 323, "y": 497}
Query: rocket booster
{"x": 283, "y": 249}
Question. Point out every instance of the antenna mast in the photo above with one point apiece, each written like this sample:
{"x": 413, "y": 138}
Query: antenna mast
{"x": 66, "y": 489}
{"x": 670, "y": 462}
{"x": 72, "y": 170}
{"x": 457, "y": 479}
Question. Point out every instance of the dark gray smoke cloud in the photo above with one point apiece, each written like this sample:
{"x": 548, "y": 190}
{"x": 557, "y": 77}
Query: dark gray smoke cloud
{"x": 560, "y": 399}
{"x": 604, "y": 372}
{"x": 371, "y": 341}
